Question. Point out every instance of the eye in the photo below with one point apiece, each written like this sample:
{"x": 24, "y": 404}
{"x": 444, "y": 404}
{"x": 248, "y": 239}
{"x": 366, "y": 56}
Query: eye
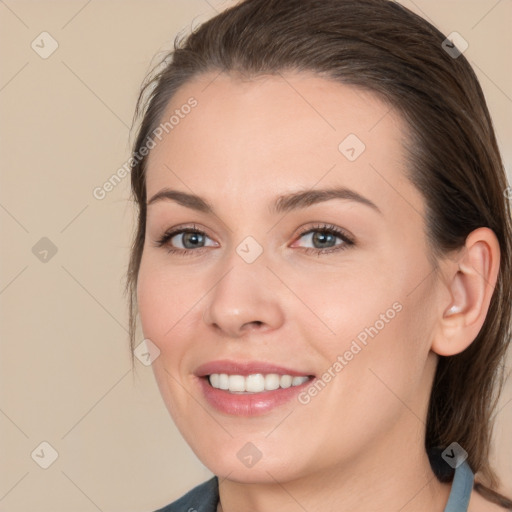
{"x": 184, "y": 240}
{"x": 191, "y": 240}
{"x": 323, "y": 237}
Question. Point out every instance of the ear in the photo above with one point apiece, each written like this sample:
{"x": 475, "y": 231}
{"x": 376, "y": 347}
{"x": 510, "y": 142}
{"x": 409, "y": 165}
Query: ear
{"x": 470, "y": 280}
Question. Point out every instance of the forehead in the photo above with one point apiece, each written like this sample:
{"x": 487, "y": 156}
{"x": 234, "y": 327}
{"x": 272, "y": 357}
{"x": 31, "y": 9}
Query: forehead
{"x": 279, "y": 132}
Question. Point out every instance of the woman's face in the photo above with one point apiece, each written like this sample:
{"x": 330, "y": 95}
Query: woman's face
{"x": 285, "y": 280}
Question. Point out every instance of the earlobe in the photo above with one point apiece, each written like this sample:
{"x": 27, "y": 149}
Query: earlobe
{"x": 470, "y": 281}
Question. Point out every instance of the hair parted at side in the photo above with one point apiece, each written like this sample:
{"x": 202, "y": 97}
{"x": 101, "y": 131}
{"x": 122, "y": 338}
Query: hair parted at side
{"x": 453, "y": 158}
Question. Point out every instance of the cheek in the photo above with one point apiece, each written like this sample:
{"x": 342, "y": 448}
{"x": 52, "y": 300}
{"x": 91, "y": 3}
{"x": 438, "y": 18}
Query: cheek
{"x": 152, "y": 304}
{"x": 165, "y": 308}
{"x": 349, "y": 305}
{"x": 166, "y": 302}
{"x": 374, "y": 322}
{"x": 393, "y": 364}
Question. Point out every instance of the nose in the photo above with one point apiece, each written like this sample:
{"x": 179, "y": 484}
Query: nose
{"x": 245, "y": 300}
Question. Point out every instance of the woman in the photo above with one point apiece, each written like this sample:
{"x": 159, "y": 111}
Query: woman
{"x": 322, "y": 259}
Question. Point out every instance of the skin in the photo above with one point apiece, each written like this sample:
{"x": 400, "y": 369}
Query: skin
{"x": 358, "y": 444}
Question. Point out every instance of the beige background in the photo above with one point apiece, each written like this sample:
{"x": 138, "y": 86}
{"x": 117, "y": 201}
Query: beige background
{"x": 65, "y": 374}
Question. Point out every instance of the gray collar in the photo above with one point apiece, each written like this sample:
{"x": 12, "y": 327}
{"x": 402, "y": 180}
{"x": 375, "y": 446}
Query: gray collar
{"x": 461, "y": 489}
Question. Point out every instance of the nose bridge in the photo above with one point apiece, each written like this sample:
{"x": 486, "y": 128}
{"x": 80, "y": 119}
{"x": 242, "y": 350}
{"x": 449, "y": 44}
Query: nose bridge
{"x": 246, "y": 293}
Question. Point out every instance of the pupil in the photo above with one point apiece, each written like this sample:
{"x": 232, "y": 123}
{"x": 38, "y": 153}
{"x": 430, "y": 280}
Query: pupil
{"x": 322, "y": 238}
{"x": 191, "y": 237}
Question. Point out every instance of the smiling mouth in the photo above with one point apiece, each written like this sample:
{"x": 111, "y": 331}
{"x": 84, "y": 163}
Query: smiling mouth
{"x": 254, "y": 383}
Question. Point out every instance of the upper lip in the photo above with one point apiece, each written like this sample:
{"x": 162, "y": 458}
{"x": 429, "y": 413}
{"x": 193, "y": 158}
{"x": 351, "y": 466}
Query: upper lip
{"x": 245, "y": 368}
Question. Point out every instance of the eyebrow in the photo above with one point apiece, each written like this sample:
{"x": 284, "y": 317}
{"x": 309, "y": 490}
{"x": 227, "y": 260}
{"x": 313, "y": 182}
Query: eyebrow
{"x": 282, "y": 204}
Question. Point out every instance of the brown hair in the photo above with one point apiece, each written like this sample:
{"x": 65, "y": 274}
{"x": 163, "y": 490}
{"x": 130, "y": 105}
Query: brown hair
{"x": 453, "y": 157}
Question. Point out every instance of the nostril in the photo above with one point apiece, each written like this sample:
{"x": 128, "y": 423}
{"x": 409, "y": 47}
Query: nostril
{"x": 255, "y": 323}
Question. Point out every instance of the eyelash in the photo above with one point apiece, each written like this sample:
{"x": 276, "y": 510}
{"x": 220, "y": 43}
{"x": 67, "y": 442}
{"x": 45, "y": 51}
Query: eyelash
{"x": 323, "y": 228}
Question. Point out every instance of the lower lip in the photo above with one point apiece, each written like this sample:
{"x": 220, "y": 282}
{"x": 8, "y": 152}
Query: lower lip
{"x": 248, "y": 404}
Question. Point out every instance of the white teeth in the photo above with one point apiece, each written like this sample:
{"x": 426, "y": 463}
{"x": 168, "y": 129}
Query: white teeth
{"x": 271, "y": 381}
{"x": 297, "y": 381}
{"x": 236, "y": 383}
{"x": 254, "y": 383}
{"x": 285, "y": 381}
{"x": 223, "y": 381}
{"x": 215, "y": 380}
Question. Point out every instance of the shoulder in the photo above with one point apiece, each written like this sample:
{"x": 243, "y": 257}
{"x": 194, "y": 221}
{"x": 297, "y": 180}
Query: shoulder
{"x": 202, "y": 498}
{"x": 478, "y": 503}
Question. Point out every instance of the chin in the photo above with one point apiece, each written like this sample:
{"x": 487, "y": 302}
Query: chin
{"x": 260, "y": 473}
{"x": 245, "y": 462}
